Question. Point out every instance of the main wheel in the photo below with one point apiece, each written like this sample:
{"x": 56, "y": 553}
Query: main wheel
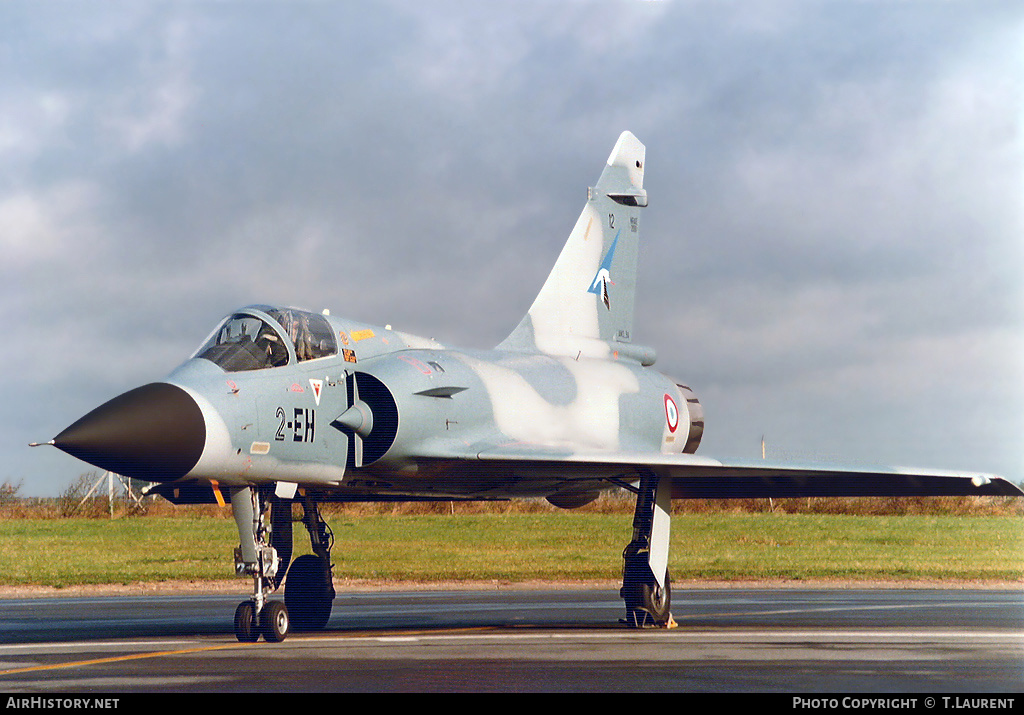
{"x": 246, "y": 628}
{"x": 647, "y": 603}
{"x": 274, "y": 621}
{"x": 309, "y": 593}
{"x": 657, "y": 600}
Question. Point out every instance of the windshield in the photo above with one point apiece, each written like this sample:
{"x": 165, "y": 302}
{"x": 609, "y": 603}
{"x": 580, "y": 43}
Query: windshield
{"x": 248, "y": 342}
{"x": 244, "y": 342}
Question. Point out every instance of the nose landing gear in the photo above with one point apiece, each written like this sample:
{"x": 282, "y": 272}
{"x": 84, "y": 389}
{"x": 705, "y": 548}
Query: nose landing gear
{"x": 264, "y": 554}
{"x": 256, "y": 557}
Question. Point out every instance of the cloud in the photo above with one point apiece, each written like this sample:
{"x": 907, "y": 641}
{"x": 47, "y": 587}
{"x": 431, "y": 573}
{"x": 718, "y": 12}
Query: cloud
{"x": 36, "y": 226}
{"x": 153, "y": 107}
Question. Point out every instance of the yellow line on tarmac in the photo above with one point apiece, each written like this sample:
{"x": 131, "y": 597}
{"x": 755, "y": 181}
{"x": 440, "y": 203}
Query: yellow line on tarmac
{"x": 120, "y": 658}
{"x": 369, "y": 635}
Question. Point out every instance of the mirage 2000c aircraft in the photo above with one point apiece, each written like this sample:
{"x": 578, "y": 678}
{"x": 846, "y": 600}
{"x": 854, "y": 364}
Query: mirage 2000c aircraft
{"x": 282, "y": 405}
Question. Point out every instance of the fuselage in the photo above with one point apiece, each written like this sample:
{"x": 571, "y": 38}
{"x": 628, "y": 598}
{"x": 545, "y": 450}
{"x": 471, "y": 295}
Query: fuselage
{"x": 329, "y": 403}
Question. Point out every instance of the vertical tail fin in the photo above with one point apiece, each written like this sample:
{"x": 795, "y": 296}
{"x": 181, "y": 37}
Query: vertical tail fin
{"x": 586, "y": 305}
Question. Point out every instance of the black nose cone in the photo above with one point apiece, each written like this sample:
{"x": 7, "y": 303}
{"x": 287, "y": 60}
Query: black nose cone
{"x": 155, "y": 432}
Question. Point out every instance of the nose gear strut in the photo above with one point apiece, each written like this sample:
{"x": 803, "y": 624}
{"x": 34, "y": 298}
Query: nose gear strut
{"x": 257, "y": 557}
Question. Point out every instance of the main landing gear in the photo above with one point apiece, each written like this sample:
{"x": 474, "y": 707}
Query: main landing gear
{"x": 309, "y": 592}
{"x": 646, "y": 587}
{"x": 264, "y": 554}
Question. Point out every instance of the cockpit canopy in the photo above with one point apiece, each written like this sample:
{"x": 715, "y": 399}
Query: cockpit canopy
{"x": 258, "y": 338}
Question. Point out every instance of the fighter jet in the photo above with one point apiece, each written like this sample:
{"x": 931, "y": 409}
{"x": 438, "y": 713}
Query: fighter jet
{"x": 282, "y": 405}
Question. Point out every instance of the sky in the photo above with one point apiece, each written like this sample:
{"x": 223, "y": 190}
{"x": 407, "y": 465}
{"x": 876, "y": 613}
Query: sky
{"x": 832, "y": 257}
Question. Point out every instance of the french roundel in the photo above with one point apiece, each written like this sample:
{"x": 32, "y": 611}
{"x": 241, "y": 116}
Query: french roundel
{"x": 671, "y": 413}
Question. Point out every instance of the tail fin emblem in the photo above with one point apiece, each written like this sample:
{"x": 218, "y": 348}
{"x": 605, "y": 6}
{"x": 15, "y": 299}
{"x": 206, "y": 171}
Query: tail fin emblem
{"x": 603, "y": 277}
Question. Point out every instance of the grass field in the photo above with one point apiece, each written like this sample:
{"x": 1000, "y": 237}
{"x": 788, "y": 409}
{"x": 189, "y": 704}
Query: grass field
{"x": 511, "y": 547}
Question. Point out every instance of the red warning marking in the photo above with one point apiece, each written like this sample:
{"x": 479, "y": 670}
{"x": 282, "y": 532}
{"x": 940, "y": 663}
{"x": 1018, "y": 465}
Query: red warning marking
{"x": 419, "y": 365}
{"x": 318, "y": 386}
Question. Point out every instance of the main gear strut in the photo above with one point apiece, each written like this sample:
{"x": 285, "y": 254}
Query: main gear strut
{"x": 309, "y": 591}
{"x": 645, "y": 579}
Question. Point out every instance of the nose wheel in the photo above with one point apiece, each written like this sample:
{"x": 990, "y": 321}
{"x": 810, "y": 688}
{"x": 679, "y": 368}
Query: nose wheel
{"x": 272, "y": 622}
{"x": 246, "y": 624}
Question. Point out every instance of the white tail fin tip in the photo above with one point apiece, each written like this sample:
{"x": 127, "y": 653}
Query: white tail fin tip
{"x": 629, "y": 153}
